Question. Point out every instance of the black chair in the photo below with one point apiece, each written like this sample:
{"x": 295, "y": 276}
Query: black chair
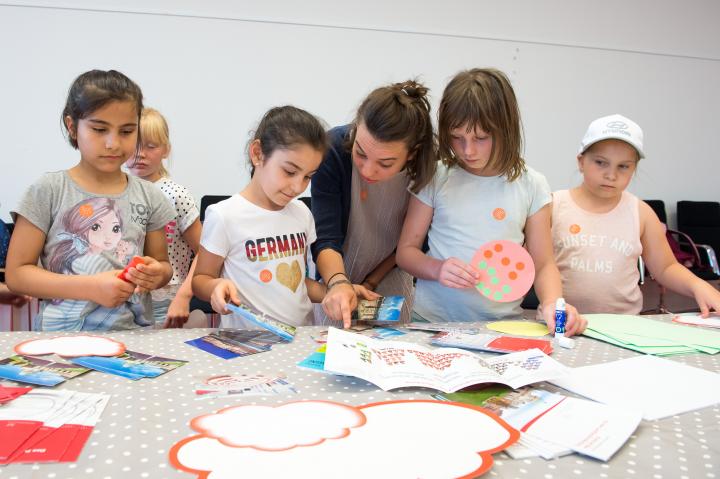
{"x": 701, "y": 221}
{"x": 307, "y": 200}
{"x": 700, "y": 268}
{"x": 208, "y": 200}
{"x": 196, "y": 303}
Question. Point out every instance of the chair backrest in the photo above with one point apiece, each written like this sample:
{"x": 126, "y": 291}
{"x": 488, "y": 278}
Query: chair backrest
{"x": 701, "y": 221}
{"x": 208, "y": 200}
{"x": 307, "y": 200}
{"x": 658, "y": 207}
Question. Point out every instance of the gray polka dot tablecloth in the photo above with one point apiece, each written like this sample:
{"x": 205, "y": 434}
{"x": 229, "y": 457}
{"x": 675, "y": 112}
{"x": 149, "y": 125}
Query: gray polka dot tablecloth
{"x": 145, "y": 418}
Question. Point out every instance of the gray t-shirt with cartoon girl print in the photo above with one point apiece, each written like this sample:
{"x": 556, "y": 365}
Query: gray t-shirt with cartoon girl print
{"x": 88, "y": 234}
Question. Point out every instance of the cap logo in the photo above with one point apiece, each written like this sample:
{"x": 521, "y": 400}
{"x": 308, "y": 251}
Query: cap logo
{"x": 619, "y": 125}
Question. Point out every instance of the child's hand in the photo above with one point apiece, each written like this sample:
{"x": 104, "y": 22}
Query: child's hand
{"x": 361, "y": 291}
{"x": 455, "y": 273}
{"x": 178, "y": 312}
{"x": 339, "y": 302}
{"x": 707, "y": 297}
{"x": 224, "y": 292}
{"x": 147, "y": 276}
{"x": 574, "y": 325}
{"x": 8, "y": 297}
{"x": 109, "y": 290}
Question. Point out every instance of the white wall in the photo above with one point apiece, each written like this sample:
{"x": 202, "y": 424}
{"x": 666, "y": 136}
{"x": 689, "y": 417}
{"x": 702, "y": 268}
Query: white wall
{"x": 213, "y": 68}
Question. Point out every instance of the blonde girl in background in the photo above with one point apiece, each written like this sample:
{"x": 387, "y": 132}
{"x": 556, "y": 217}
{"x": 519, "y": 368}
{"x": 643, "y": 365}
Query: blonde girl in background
{"x": 171, "y": 303}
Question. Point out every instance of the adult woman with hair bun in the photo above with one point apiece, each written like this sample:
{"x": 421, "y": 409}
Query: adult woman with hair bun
{"x": 360, "y": 196}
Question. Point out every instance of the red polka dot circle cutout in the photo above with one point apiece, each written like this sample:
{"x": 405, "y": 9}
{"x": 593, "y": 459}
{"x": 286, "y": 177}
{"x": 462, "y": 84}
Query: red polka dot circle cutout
{"x": 506, "y": 271}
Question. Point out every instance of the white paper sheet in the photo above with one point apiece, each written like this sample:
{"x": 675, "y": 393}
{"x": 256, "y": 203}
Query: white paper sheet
{"x": 658, "y": 387}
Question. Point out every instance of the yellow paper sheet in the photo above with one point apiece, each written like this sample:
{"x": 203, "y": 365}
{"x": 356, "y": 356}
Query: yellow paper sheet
{"x": 519, "y": 328}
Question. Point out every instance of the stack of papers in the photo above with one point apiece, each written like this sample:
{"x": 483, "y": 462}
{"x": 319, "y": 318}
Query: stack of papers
{"x": 657, "y": 387}
{"x": 553, "y": 425}
{"x": 396, "y": 364}
{"x": 650, "y": 336}
{"x": 48, "y": 426}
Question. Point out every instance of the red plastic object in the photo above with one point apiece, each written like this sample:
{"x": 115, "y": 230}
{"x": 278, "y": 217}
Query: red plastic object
{"x": 133, "y": 262}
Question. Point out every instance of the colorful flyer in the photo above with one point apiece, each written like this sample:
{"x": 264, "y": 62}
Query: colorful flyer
{"x": 28, "y": 369}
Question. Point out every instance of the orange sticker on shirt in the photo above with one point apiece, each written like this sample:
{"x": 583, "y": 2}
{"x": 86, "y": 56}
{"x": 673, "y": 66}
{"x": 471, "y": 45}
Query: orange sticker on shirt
{"x": 574, "y": 229}
{"x": 498, "y": 214}
{"x": 265, "y": 276}
{"x": 86, "y": 211}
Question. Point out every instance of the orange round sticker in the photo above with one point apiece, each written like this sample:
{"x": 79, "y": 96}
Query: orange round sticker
{"x": 265, "y": 276}
{"x": 498, "y": 214}
{"x": 574, "y": 229}
{"x": 85, "y": 210}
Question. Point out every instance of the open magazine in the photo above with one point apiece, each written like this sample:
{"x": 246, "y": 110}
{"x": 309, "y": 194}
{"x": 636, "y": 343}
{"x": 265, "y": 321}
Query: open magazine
{"x": 397, "y": 364}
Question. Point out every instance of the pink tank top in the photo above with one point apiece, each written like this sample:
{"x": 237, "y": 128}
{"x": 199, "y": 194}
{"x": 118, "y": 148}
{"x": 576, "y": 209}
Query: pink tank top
{"x": 597, "y": 255}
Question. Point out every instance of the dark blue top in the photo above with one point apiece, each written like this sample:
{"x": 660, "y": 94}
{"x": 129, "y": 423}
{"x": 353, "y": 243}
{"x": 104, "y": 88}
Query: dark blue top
{"x": 330, "y": 192}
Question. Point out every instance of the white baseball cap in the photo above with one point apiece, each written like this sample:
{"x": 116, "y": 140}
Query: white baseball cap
{"x": 613, "y": 126}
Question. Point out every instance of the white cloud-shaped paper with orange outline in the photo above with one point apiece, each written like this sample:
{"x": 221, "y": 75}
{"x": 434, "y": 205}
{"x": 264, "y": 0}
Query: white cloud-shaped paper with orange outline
{"x": 71, "y": 346}
{"x": 398, "y": 439}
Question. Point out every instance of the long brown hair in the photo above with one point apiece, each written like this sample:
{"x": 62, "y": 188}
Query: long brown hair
{"x": 401, "y": 112}
{"x": 483, "y": 98}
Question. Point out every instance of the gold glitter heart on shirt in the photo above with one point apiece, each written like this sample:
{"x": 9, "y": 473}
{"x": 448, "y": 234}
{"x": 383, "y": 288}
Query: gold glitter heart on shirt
{"x": 289, "y": 275}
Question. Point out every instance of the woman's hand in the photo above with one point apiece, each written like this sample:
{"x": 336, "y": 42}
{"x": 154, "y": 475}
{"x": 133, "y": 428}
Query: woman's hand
{"x": 340, "y": 301}
{"x": 363, "y": 292}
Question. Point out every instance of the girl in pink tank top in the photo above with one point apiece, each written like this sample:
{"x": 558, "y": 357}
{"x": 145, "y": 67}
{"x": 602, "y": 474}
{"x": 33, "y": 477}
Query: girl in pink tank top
{"x": 600, "y": 230}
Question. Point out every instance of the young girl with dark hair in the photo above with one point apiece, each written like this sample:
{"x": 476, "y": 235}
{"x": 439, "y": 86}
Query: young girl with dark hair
{"x": 84, "y": 224}
{"x": 254, "y": 244}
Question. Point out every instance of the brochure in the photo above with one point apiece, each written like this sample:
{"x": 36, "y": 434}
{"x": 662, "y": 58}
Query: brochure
{"x": 233, "y": 343}
{"x": 379, "y": 311}
{"x": 553, "y": 425}
{"x": 28, "y": 369}
{"x": 131, "y": 364}
{"x": 396, "y": 364}
{"x": 244, "y": 385}
{"x": 47, "y": 425}
{"x": 489, "y": 342}
{"x": 284, "y": 330}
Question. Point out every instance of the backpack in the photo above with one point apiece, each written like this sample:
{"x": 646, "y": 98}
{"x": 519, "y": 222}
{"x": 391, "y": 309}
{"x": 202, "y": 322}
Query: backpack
{"x": 683, "y": 257}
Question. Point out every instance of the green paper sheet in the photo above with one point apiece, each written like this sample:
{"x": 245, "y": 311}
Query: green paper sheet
{"x": 651, "y": 336}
